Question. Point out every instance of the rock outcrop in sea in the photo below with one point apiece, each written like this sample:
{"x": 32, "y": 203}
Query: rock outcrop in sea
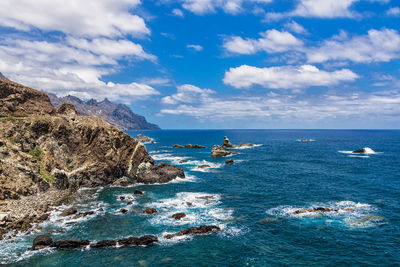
{"x": 51, "y": 153}
{"x": 221, "y": 151}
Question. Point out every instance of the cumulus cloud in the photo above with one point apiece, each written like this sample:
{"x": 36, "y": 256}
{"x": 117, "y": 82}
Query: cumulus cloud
{"x": 318, "y": 9}
{"x": 74, "y": 17}
{"x": 295, "y": 27}
{"x": 271, "y": 41}
{"x": 177, "y": 12}
{"x": 233, "y": 7}
{"x": 285, "y": 77}
{"x": 188, "y": 93}
{"x": 376, "y": 46}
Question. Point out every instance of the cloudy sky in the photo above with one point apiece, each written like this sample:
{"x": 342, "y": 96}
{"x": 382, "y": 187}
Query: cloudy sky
{"x": 214, "y": 63}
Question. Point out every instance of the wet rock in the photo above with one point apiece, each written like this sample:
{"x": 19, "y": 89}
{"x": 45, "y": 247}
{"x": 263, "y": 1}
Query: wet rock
{"x": 123, "y": 210}
{"x": 137, "y": 192}
{"x": 204, "y": 229}
{"x": 204, "y": 166}
{"x": 150, "y": 211}
{"x": 138, "y": 241}
{"x": 183, "y": 161}
{"x": 229, "y": 162}
{"x": 194, "y": 146}
{"x": 68, "y": 212}
{"x": 121, "y": 198}
{"x": 42, "y": 241}
{"x": 318, "y": 209}
{"x": 129, "y": 203}
{"x": 160, "y": 173}
{"x": 177, "y": 146}
{"x": 70, "y": 243}
{"x": 178, "y": 216}
{"x": 83, "y": 214}
{"x": 218, "y": 151}
{"x": 104, "y": 244}
{"x": 189, "y": 204}
{"x": 305, "y": 140}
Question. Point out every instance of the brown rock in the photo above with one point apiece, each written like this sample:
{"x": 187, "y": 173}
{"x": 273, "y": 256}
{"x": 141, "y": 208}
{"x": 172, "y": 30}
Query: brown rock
{"x": 229, "y": 162}
{"x": 150, "y": 211}
{"x": 68, "y": 212}
{"x": 218, "y": 151}
{"x": 67, "y": 109}
{"x": 204, "y": 229}
{"x": 178, "y": 216}
{"x": 160, "y": 173}
{"x": 177, "y": 146}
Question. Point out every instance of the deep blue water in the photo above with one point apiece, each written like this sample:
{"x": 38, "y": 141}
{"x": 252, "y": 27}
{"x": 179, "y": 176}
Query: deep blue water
{"x": 267, "y": 181}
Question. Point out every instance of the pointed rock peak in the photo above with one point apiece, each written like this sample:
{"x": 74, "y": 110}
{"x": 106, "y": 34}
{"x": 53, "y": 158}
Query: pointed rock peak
{"x": 106, "y": 101}
{"x": 92, "y": 102}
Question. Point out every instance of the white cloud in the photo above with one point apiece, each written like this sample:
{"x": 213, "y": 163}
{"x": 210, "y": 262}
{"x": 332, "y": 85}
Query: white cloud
{"x": 74, "y": 17}
{"x": 177, "y": 12}
{"x": 233, "y": 7}
{"x": 319, "y": 9}
{"x": 188, "y": 93}
{"x": 295, "y": 27}
{"x": 286, "y": 77}
{"x": 196, "y": 48}
{"x": 271, "y": 41}
{"x": 394, "y": 11}
{"x": 377, "y": 46}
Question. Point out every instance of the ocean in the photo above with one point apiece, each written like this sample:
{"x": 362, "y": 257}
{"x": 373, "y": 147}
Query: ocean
{"x": 253, "y": 201}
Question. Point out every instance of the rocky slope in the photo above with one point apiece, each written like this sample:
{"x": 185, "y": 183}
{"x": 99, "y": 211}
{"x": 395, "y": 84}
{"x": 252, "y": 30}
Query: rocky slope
{"x": 118, "y": 115}
{"x": 47, "y": 150}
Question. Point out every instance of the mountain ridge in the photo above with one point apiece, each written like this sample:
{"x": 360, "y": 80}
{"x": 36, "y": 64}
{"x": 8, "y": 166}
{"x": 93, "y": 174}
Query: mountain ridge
{"x": 118, "y": 115}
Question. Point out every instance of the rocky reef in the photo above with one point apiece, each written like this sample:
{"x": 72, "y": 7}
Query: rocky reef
{"x": 221, "y": 151}
{"x": 44, "y": 150}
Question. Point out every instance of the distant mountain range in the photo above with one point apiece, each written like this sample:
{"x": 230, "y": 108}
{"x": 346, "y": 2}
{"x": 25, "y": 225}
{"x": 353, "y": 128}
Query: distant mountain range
{"x": 118, "y": 115}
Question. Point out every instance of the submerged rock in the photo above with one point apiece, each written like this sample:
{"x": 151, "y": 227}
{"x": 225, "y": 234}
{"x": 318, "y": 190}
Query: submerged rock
{"x": 204, "y": 166}
{"x": 268, "y": 220}
{"x": 150, "y": 211}
{"x": 160, "y": 173}
{"x": 322, "y": 209}
{"x": 104, "y": 244}
{"x": 203, "y": 229}
{"x": 178, "y": 216}
{"x": 229, "y": 162}
{"x": 365, "y": 150}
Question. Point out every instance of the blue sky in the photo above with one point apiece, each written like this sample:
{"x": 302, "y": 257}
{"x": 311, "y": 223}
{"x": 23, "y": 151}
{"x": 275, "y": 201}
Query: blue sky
{"x": 214, "y": 63}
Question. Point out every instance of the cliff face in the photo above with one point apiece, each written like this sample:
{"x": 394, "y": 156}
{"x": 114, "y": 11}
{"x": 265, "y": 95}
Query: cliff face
{"x": 118, "y": 115}
{"x": 42, "y": 149}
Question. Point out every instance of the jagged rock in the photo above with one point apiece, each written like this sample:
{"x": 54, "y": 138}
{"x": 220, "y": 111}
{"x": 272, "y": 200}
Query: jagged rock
{"x": 218, "y": 151}
{"x": 150, "y": 211}
{"x": 226, "y": 143}
{"x": 104, "y": 244}
{"x": 229, "y": 162}
{"x": 67, "y": 109}
{"x": 121, "y": 198}
{"x": 178, "y": 216}
{"x": 195, "y": 231}
{"x": 83, "y": 214}
{"x": 137, "y": 192}
{"x": 42, "y": 241}
{"x": 69, "y": 243}
{"x": 129, "y": 203}
{"x": 68, "y": 212}
{"x": 204, "y": 166}
{"x": 144, "y": 139}
{"x": 124, "y": 181}
{"x": 146, "y": 240}
{"x": 177, "y": 146}
{"x": 160, "y": 173}
{"x": 123, "y": 210}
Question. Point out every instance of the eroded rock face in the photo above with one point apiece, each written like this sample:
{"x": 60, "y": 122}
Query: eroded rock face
{"x": 203, "y": 229}
{"x": 67, "y": 109}
{"x": 160, "y": 173}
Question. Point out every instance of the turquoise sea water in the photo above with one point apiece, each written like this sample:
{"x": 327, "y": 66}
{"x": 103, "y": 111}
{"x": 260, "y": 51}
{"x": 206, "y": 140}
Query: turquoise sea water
{"x": 269, "y": 181}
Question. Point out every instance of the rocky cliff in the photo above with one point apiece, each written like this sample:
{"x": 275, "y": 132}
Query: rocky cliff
{"x": 118, "y": 115}
{"x": 44, "y": 150}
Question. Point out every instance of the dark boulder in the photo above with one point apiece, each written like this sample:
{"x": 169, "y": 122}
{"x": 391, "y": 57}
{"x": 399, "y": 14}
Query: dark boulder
{"x": 123, "y": 210}
{"x": 42, "y": 241}
{"x": 229, "y": 162}
{"x": 160, "y": 173}
{"x": 178, "y": 216}
{"x": 137, "y": 192}
{"x": 138, "y": 241}
{"x": 359, "y": 151}
{"x": 150, "y": 211}
{"x": 204, "y": 166}
{"x": 203, "y": 229}
{"x": 177, "y": 146}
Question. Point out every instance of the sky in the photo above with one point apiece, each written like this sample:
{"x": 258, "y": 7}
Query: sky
{"x": 214, "y": 64}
